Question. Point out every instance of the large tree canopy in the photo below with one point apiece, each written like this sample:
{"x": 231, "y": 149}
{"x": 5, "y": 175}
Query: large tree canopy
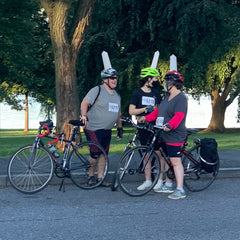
{"x": 203, "y": 34}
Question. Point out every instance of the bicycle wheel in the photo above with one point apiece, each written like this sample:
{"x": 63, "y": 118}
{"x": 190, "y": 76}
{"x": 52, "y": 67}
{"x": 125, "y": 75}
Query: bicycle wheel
{"x": 30, "y": 169}
{"x": 131, "y": 172}
{"x": 88, "y": 156}
{"x": 195, "y": 177}
{"x": 114, "y": 185}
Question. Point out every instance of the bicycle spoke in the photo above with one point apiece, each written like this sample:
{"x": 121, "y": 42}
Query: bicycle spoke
{"x": 28, "y": 172}
{"x": 195, "y": 177}
{"x": 88, "y": 157}
{"x": 131, "y": 170}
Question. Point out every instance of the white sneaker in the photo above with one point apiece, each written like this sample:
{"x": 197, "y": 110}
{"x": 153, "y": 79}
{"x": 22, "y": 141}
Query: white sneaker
{"x": 158, "y": 185}
{"x": 144, "y": 186}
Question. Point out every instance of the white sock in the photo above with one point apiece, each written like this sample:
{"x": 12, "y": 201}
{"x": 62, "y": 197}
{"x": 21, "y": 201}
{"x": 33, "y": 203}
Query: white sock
{"x": 148, "y": 181}
{"x": 181, "y": 189}
{"x": 160, "y": 181}
{"x": 168, "y": 184}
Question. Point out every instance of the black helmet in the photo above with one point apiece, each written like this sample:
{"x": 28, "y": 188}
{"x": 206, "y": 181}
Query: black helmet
{"x": 106, "y": 73}
{"x": 173, "y": 76}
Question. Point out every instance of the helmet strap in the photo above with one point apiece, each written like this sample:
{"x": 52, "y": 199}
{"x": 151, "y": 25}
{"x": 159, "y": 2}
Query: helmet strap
{"x": 107, "y": 83}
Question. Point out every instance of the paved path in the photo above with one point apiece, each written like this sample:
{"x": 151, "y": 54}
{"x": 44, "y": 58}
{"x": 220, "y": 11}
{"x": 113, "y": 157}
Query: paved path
{"x": 229, "y": 166}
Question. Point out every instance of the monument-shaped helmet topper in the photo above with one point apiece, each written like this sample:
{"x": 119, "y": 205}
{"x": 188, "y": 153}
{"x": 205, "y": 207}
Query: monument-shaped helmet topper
{"x": 173, "y": 63}
{"x": 108, "y": 71}
{"x": 106, "y": 60}
{"x": 155, "y": 60}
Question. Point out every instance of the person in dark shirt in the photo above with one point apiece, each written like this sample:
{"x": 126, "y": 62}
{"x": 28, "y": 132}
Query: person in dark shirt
{"x": 145, "y": 100}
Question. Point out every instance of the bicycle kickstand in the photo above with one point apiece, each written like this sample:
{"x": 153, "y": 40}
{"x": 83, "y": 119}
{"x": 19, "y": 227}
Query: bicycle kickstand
{"x": 62, "y": 186}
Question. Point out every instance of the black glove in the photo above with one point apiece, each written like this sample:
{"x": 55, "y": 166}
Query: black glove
{"x": 120, "y": 132}
{"x": 149, "y": 109}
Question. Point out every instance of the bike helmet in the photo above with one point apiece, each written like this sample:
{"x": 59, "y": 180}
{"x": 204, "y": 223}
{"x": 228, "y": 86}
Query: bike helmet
{"x": 106, "y": 73}
{"x": 149, "y": 72}
{"x": 173, "y": 76}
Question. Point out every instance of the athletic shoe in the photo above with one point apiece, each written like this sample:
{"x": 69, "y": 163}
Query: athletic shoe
{"x": 92, "y": 181}
{"x": 158, "y": 185}
{"x": 177, "y": 194}
{"x": 144, "y": 186}
{"x": 164, "y": 189}
{"x": 105, "y": 184}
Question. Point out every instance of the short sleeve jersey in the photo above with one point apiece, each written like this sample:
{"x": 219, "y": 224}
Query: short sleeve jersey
{"x": 142, "y": 99}
{"x": 166, "y": 111}
{"x": 104, "y": 113}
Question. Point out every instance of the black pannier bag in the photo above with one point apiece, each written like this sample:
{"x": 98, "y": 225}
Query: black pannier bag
{"x": 209, "y": 154}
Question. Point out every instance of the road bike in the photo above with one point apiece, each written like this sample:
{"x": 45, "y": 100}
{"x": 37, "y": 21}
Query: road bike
{"x": 131, "y": 168}
{"x": 132, "y": 143}
{"x": 32, "y": 167}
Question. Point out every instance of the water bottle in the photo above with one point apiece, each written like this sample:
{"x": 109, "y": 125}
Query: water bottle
{"x": 53, "y": 150}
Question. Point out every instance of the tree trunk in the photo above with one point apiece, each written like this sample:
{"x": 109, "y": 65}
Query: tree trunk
{"x": 218, "y": 113}
{"x": 66, "y": 48}
{"x": 26, "y": 114}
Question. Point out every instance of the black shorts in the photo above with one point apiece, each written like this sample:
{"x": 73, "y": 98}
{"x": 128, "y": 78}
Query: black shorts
{"x": 102, "y": 137}
{"x": 170, "y": 150}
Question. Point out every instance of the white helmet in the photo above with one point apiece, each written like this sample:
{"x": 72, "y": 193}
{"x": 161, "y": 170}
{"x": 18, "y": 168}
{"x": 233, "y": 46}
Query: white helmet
{"x": 106, "y": 73}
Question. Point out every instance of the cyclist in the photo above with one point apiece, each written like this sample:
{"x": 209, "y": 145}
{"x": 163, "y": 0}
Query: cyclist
{"x": 144, "y": 100}
{"x": 100, "y": 119}
{"x": 171, "y": 114}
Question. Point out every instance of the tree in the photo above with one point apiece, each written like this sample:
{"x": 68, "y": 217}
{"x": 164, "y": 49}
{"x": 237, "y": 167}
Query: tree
{"x": 68, "y": 21}
{"x": 24, "y": 50}
{"x": 214, "y": 55}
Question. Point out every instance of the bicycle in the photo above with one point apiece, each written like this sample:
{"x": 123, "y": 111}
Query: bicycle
{"x": 31, "y": 168}
{"x": 132, "y": 143}
{"x": 132, "y": 165}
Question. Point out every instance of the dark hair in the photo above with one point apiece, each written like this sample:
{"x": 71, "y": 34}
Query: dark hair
{"x": 177, "y": 84}
{"x": 142, "y": 81}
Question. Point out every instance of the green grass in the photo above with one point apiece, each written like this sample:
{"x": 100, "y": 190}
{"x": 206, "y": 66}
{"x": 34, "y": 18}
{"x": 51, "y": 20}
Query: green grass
{"x": 11, "y": 140}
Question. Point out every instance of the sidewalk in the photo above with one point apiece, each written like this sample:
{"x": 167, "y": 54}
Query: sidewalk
{"x": 229, "y": 166}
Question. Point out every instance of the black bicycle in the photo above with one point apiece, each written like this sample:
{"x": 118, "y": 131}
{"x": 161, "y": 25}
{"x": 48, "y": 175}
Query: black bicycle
{"x": 32, "y": 167}
{"x": 130, "y": 172}
{"x": 132, "y": 143}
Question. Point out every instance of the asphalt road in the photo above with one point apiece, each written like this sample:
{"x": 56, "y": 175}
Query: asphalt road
{"x": 100, "y": 214}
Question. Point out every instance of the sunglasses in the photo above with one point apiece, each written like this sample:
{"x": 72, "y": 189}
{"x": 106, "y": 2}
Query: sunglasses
{"x": 113, "y": 78}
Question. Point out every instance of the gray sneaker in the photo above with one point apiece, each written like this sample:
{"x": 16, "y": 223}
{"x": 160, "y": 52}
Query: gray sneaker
{"x": 164, "y": 189}
{"x": 177, "y": 194}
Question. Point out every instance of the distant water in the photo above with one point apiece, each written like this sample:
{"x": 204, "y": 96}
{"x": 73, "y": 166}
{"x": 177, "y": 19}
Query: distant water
{"x": 199, "y": 115}
{"x": 13, "y": 119}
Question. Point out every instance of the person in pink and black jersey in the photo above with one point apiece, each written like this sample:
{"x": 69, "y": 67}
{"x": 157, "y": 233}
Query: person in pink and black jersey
{"x": 171, "y": 114}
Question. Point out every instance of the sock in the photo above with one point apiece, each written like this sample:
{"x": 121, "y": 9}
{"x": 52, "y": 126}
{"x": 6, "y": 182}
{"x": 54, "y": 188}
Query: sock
{"x": 148, "y": 181}
{"x": 181, "y": 189}
{"x": 160, "y": 181}
{"x": 168, "y": 184}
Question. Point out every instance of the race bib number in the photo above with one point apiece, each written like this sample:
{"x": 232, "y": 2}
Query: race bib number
{"x": 113, "y": 107}
{"x": 148, "y": 101}
{"x": 159, "y": 121}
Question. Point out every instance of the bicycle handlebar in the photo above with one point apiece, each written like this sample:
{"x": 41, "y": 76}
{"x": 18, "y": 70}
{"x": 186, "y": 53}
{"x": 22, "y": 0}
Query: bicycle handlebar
{"x": 48, "y": 126}
{"x": 44, "y": 134}
{"x": 150, "y": 127}
{"x": 44, "y": 127}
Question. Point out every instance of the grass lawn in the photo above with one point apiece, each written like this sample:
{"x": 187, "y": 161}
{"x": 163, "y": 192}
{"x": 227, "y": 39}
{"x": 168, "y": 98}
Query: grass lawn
{"x": 11, "y": 140}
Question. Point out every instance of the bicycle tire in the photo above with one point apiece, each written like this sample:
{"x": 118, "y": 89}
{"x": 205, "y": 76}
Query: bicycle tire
{"x": 30, "y": 169}
{"x": 115, "y": 184}
{"x": 79, "y": 165}
{"x": 129, "y": 174}
{"x": 196, "y": 178}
